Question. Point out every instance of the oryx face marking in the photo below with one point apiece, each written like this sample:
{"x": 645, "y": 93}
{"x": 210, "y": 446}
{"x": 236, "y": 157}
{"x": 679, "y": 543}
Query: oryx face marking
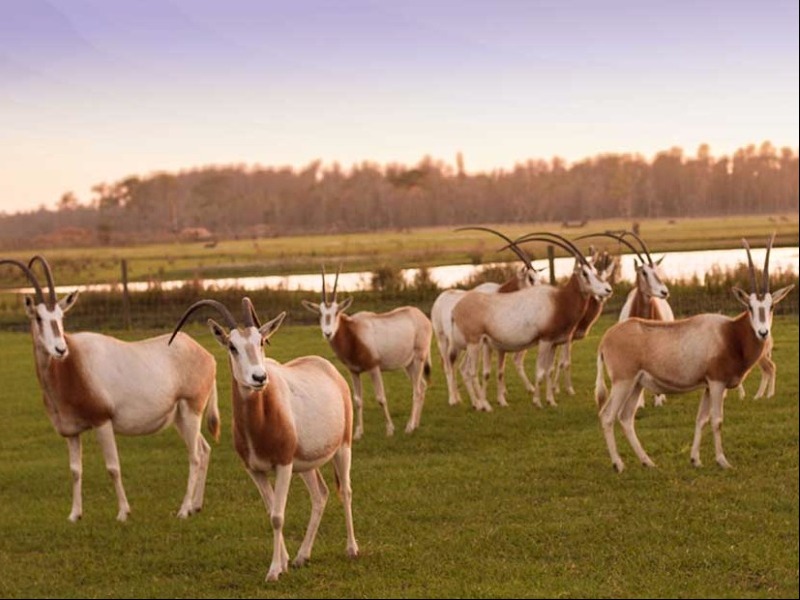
{"x": 329, "y": 319}
{"x": 245, "y": 348}
{"x": 760, "y": 314}
{"x": 650, "y": 283}
{"x": 48, "y": 330}
{"x": 590, "y": 282}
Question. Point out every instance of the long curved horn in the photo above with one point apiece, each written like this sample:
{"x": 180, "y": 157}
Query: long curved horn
{"x": 574, "y": 249}
{"x": 557, "y": 242}
{"x": 620, "y": 239}
{"x": 753, "y": 282}
{"x": 324, "y": 291}
{"x": 336, "y": 281}
{"x": 48, "y": 275}
{"x": 249, "y": 312}
{"x": 221, "y": 308}
{"x": 513, "y": 246}
{"x": 766, "y": 264}
{"x": 641, "y": 243}
{"x": 31, "y": 277}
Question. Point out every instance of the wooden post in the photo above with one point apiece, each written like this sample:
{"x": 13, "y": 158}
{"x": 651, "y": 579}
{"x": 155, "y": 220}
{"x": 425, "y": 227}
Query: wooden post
{"x": 551, "y": 261}
{"x": 126, "y": 300}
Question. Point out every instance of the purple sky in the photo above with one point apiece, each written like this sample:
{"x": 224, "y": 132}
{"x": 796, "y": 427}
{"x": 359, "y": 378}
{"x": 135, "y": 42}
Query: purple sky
{"x": 94, "y": 90}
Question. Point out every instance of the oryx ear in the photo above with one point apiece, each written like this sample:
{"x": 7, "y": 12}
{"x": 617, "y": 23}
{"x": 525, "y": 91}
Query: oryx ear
{"x": 742, "y": 296}
{"x": 218, "y": 332}
{"x": 68, "y": 301}
{"x": 781, "y": 294}
{"x": 345, "y": 304}
{"x": 658, "y": 262}
{"x": 30, "y": 307}
{"x": 311, "y": 306}
{"x": 267, "y": 329}
{"x": 636, "y": 264}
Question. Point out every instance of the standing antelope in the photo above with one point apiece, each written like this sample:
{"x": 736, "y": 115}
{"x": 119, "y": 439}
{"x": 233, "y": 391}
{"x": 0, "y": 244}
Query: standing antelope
{"x": 93, "y": 381}
{"x": 370, "y": 342}
{"x": 517, "y": 320}
{"x": 287, "y": 418}
{"x": 707, "y": 351}
{"x": 606, "y": 267}
{"x": 441, "y": 318}
{"x": 648, "y": 298}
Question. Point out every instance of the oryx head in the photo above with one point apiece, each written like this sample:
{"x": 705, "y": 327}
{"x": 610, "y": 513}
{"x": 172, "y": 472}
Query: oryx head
{"x": 330, "y": 308}
{"x": 760, "y": 303}
{"x": 46, "y": 313}
{"x": 589, "y": 282}
{"x": 244, "y": 342}
{"x": 648, "y": 276}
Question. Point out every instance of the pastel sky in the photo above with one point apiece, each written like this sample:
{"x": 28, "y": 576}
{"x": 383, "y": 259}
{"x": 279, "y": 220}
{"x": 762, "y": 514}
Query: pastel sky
{"x": 94, "y": 90}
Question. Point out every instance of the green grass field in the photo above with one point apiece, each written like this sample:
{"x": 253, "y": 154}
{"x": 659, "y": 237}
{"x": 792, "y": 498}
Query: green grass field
{"x": 359, "y": 251}
{"x": 517, "y": 503}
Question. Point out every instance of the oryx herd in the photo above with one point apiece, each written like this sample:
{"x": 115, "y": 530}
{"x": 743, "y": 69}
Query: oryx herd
{"x": 296, "y": 416}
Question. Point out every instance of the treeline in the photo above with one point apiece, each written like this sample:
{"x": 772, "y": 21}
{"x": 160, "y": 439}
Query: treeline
{"x": 240, "y": 201}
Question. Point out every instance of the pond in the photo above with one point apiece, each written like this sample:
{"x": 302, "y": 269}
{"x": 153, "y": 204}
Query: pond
{"x": 676, "y": 265}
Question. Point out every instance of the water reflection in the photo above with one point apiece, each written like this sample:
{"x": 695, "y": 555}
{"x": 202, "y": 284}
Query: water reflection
{"x": 676, "y": 265}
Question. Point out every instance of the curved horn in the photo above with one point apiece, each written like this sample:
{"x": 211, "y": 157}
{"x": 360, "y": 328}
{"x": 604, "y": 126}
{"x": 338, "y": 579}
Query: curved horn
{"x": 48, "y": 274}
{"x": 512, "y": 245}
{"x": 557, "y": 242}
{"x": 31, "y": 277}
{"x": 249, "y": 312}
{"x": 753, "y": 282}
{"x": 574, "y": 249}
{"x": 324, "y": 291}
{"x": 336, "y": 281}
{"x": 620, "y": 239}
{"x": 221, "y": 308}
{"x": 766, "y": 264}
{"x": 641, "y": 243}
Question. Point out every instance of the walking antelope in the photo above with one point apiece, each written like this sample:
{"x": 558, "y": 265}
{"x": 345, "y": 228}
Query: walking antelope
{"x": 370, "y": 342}
{"x": 441, "y": 318}
{"x": 606, "y": 266}
{"x": 517, "y": 320}
{"x": 708, "y": 351}
{"x": 287, "y": 418}
{"x": 648, "y": 298}
{"x": 93, "y": 381}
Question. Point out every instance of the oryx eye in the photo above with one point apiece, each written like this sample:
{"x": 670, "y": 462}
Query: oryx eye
{"x": 233, "y": 349}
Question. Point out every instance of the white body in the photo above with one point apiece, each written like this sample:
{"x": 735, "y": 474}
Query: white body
{"x": 131, "y": 388}
{"x": 288, "y": 418}
{"x": 708, "y": 351}
{"x": 515, "y": 321}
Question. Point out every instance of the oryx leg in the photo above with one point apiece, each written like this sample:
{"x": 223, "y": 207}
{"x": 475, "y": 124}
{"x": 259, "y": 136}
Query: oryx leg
{"x": 76, "y": 468}
{"x": 619, "y": 394}
{"x": 768, "y": 375}
{"x": 703, "y": 416}
{"x": 501, "y": 378}
{"x": 449, "y": 358}
{"x": 626, "y": 419}
{"x": 105, "y": 435}
{"x": 319, "y": 498}
{"x": 380, "y": 396}
{"x": 341, "y": 464}
{"x": 268, "y": 496}
{"x": 486, "y": 366}
{"x": 415, "y": 374}
{"x": 717, "y": 392}
{"x": 283, "y": 477}
{"x": 469, "y": 371}
{"x": 544, "y": 363}
{"x": 358, "y": 400}
{"x": 187, "y": 422}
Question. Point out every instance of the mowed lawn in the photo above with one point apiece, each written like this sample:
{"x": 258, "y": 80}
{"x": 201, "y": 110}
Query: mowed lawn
{"x": 520, "y": 502}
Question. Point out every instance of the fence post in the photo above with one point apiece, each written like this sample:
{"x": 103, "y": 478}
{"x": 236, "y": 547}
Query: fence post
{"x": 551, "y": 261}
{"x": 126, "y": 300}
